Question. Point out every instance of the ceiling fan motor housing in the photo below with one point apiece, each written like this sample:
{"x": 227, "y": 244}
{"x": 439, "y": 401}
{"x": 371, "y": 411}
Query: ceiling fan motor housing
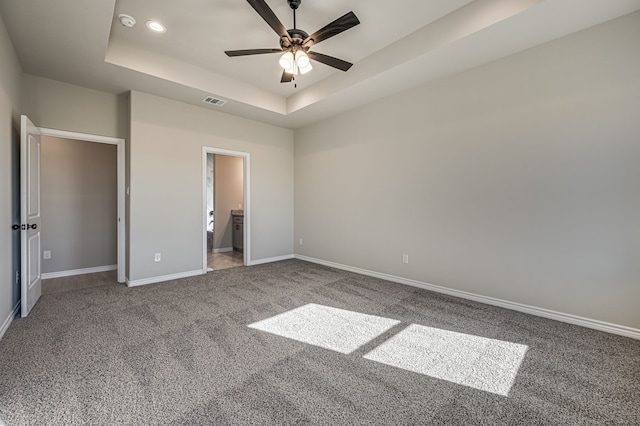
{"x": 294, "y": 4}
{"x": 297, "y": 38}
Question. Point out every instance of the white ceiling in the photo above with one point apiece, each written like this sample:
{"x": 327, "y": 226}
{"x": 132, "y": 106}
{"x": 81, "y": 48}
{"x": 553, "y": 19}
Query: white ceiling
{"x": 398, "y": 44}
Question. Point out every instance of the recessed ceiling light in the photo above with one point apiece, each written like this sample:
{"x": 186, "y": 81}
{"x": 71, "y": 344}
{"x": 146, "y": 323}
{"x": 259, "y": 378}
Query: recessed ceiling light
{"x": 156, "y": 26}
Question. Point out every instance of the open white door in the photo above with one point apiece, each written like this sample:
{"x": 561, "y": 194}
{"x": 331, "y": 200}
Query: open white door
{"x": 30, "y": 214}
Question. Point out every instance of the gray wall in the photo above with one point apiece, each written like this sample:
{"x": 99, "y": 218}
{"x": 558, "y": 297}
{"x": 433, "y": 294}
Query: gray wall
{"x": 57, "y": 105}
{"x": 166, "y": 183}
{"x": 79, "y": 204}
{"x": 10, "y": 109}
{"x": 228, "y": 194}
{"x": 516, "y": 180}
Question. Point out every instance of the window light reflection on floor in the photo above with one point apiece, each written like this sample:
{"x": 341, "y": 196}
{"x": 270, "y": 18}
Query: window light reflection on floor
{"x": 486, "y": 364}
{"x": 481, "y": 363}
{"x": 330, "y": 328}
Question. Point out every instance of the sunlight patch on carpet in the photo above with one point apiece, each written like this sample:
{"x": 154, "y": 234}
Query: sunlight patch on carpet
{"x": 330, "y": 328}
{"x": 486, "y": 364}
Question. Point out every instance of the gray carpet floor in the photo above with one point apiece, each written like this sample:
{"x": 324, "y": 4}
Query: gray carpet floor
{"x": 182, "y": 352}
{"x": 77, "y": 282}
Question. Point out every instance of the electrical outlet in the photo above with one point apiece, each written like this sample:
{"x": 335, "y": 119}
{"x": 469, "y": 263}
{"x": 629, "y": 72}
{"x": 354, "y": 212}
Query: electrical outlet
{"x": 46, "y": 254}
{"x": 158, "y": 257}
{"x": 300, "y": 242}
{"x": 405, "y": 258}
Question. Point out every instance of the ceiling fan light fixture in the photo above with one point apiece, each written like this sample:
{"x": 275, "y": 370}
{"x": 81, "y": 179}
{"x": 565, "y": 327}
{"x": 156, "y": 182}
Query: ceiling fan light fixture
{"x": 304, "y": 70}
{"x": 287, "y": 61}
{"x": 302, "y": 60}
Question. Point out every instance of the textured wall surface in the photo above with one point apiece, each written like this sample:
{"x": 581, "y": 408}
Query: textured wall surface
{"x": 57, "y": 105}
{"x": 516, "y": 180}
{"x": 167, "y": 185}
{"x": 79, "y": 204}
{"x": 10, "y": 110}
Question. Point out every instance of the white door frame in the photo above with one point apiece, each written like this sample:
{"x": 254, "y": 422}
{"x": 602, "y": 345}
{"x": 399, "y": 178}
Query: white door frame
{"x": 247, "y": 201}
{"x": 120, "y": 184}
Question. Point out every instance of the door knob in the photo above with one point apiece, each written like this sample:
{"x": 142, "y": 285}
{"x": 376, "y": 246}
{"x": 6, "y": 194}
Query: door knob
{"x": 24, "y": 227}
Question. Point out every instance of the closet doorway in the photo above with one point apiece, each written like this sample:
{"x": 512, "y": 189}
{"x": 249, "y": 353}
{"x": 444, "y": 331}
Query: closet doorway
{"x": 226, "y": 209}
{"x": 83, "y": 205}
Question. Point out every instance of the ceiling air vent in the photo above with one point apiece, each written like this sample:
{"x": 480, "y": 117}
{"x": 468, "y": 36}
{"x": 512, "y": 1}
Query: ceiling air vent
{"x": 214, "y": 101}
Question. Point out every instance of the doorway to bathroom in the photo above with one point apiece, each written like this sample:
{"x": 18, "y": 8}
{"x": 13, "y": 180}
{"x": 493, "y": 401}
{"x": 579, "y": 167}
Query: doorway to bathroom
{"x": 225, "y": 202}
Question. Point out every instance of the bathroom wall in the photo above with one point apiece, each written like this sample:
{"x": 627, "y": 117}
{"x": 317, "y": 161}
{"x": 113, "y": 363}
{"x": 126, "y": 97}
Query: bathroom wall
{"x": 228, "y": 196}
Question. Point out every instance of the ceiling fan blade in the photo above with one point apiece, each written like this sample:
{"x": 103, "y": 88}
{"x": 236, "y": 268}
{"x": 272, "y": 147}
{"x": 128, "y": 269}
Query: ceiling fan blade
{"x": 330, "y": 60}
{"x": 270, "y": 18}
{"x": 286, "y": 77}
{"x": 341, "y": 24}
{"x": 232, "y": 53}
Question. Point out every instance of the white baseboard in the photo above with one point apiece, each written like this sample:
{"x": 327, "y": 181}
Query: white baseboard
{"x": 7, "y": 322}
{"x": 71, "y": 272}
{"x": 153, "y": 280}
{"x": 270, "y": 260}
{"x": 621, "y": 330}
{"x": 223, "y": 250}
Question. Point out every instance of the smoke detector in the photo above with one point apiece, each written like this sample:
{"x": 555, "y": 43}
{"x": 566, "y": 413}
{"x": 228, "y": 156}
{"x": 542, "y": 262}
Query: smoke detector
{"x": 127, "y": 20}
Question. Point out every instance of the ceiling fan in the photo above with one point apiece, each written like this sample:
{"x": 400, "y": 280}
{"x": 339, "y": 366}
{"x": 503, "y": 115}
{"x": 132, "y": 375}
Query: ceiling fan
{"x": 296, "y": 43}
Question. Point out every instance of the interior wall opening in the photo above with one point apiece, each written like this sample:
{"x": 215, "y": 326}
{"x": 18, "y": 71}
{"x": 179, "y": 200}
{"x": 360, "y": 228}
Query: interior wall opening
{"x": 79, "y": 196}
{"x": 224, "y": 211}
{"x": 85, "y": 183}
